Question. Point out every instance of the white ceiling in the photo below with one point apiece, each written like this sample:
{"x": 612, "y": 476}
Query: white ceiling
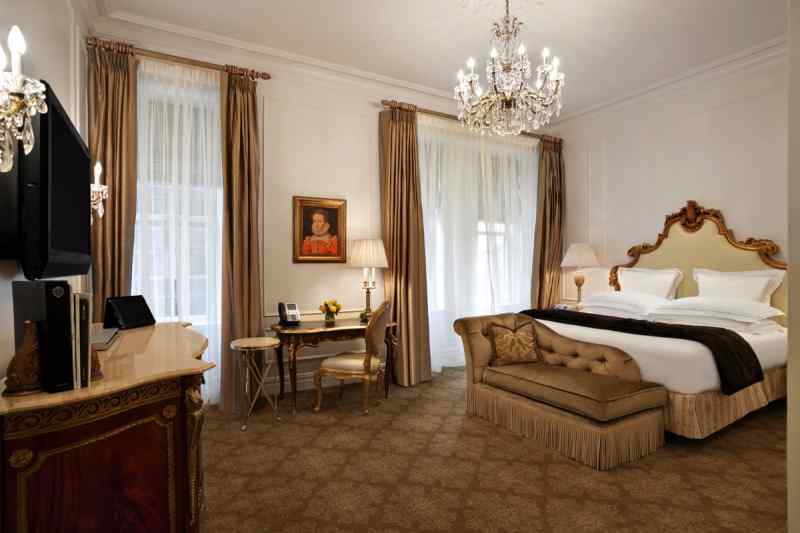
{"x": 608, "y": 48}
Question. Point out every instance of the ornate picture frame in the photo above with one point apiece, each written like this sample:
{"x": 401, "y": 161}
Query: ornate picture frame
{"x": 320, "y": 230}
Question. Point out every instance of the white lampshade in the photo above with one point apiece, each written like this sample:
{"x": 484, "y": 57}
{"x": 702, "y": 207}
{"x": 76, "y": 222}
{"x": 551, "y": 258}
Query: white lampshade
{"x": 579, "y": 255}
{"x": 368, "y": 253}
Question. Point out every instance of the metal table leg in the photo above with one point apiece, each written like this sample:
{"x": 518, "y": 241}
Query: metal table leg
{"x": 261, "y": 379}
{"x": 243, "y": 357}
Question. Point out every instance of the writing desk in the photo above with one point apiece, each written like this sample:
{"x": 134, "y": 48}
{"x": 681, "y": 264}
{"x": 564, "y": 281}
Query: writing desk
{"x": 312, "y": 333}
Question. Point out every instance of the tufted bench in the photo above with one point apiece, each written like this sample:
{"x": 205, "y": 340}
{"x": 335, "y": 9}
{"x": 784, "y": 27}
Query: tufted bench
{"x": 585, "y": 400}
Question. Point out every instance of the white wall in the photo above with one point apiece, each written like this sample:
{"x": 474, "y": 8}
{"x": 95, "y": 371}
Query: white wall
{"x": 718, "y": 137}
{"x": 53, "y": 31}
{"x": 320, "y": 139}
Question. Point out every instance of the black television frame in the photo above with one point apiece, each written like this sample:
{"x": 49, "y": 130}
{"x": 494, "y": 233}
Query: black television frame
{"x": 32, "y": 219}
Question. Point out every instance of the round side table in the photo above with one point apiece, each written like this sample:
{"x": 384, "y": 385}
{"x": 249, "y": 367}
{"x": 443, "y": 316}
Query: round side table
{"x": 246, "y": 350}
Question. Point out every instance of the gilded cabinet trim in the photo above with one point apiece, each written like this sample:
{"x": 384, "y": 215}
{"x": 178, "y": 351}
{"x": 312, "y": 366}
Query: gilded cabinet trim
{"x": 169, "y": 412}
{"x": 691, "y": 218}
{"x": 20, "y": 458}
{"x": 193, "y": 402}
{"x": 25, "y": 424}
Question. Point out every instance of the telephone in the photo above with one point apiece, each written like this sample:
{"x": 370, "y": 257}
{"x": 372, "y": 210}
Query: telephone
{"x": 288, "y": 314}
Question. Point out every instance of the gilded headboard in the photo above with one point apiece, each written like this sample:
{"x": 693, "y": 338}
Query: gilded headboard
{"x": 687, "y": 242}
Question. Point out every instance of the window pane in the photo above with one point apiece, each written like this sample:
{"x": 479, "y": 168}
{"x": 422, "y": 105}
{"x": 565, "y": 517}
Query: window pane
{"x": 198, "y": 293}
{"x": 198, "y": 202}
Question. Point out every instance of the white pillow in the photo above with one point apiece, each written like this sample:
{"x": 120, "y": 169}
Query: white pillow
{"x": 756, "y": 328}
{"x": 630, "y": 303}
{"x": 662, "y": 282}
{"x": 610, "y": 311}
{"x": 755, "y": 285}
{"x": 725, "y": 308}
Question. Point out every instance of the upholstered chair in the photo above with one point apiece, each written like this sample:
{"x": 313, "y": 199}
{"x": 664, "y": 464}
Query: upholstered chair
{"x": 368, "y": 366}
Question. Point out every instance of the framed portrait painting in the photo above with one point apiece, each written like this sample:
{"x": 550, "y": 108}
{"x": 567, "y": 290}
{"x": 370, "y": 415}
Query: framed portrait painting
{"x": 320, "y": 230}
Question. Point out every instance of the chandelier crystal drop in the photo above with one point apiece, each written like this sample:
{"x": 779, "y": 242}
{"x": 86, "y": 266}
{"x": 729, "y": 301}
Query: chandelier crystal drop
{"x": 510, "y": 104}
{"x": 21, "y": 99}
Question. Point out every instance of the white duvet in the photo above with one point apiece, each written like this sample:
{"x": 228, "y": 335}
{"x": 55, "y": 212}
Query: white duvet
{"x": 680, "y": 365}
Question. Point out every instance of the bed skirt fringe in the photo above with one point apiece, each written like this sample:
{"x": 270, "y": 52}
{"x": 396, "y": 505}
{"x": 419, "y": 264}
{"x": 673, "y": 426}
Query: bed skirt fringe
{"x": 599, "y": 445}
{"x": 696, "y": 416}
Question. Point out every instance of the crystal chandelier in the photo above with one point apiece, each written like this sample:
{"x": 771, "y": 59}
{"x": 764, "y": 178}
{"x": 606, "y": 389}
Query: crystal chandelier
{"x": 510, "y": 104}
{"x": 20, "y": 99}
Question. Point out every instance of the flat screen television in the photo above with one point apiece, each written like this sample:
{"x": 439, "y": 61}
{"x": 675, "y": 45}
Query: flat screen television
{"x": 52, "y": 215}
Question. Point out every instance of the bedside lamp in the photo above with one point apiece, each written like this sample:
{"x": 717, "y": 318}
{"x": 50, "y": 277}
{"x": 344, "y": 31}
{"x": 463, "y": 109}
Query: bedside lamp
{"x": 368, "y": 254}
{"x": 579, "y": 255}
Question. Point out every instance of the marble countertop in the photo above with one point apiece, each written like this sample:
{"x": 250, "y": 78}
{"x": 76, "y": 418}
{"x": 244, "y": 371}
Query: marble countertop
{"x": 138, "y": 356}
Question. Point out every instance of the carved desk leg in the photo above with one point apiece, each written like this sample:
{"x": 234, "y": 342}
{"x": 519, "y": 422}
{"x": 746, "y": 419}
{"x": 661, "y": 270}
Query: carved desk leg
{"x": 193, "y": 401}
{"x": 281, "y": 374}
{"x": 294, "y": 347}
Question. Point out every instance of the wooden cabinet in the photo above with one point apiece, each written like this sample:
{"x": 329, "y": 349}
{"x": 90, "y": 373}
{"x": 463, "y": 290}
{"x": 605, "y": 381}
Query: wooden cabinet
{"x": 126, "y": 461}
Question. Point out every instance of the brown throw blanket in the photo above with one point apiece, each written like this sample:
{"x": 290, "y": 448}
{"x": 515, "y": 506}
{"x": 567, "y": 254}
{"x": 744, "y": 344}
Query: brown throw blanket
{"x": 736, "y": 361}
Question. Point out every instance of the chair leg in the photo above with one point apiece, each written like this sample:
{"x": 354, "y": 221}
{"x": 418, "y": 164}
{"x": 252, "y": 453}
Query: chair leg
{"x": 380, "y": 382}
{"x": 365, "y": 384}
{"x": 377, "y": 390}
{"x": 318, "y": 387}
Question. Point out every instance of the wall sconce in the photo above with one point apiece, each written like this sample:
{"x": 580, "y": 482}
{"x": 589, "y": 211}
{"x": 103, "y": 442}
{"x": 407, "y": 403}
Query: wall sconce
{"x": 99, "y": 193}
{"x": 20, "y": 99}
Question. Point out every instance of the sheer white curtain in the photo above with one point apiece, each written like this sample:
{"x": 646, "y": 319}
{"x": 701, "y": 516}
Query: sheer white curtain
{"x": 178, "y": 235}
{"x": 479, "y": 212}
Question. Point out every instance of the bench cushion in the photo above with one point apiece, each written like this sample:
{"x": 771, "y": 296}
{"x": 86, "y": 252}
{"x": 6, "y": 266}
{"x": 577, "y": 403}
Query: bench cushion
{"x": 601, "y": 398}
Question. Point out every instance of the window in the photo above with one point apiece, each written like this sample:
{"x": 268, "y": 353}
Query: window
{"x": 178, "y": 234}
{"x": 479, "y": 207}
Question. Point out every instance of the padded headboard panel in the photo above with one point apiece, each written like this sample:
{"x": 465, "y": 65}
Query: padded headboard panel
{"x": 696, "y": 237}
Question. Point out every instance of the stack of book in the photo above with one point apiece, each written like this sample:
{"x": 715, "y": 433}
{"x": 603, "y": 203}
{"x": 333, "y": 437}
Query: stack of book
{"x": 81, "y": 339}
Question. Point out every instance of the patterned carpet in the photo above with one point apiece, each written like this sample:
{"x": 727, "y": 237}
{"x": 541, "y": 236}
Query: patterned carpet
{"x": 418, "y": 463}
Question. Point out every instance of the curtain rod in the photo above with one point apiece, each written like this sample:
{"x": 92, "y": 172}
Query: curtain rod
{"x": 411, "y": 107}
{"x": 116, "y": 46}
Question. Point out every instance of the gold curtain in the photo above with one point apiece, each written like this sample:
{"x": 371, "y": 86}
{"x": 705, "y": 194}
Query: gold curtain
{"x": 112, "y": 141}
{"x": 242, "y": 223}
{"x": 405, "y": 280}
{"x": 549, "y": 240}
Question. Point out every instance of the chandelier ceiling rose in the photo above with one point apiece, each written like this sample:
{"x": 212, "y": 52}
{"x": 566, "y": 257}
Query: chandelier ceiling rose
{"x": 510, "y": 104}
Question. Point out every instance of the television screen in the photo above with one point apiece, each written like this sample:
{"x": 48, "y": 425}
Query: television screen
{"x": 55, "y": 234}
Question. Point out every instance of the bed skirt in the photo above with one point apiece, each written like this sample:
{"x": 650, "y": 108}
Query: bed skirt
{"x": 696, "y": 416}
{"x": 599, "y": 445}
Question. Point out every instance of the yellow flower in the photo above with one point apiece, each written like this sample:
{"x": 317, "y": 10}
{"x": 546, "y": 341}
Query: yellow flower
{"x": 330, "y": 306}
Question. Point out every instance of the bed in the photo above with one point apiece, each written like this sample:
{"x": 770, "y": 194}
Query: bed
{"x": 696, "y": 237}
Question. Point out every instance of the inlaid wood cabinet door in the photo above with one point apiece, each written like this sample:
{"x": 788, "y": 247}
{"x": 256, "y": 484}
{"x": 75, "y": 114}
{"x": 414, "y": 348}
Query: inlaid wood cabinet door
{"x": 122, "y": 472}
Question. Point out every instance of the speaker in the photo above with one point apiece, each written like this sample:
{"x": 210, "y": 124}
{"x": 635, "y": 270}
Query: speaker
{"x": 49, "y": 305}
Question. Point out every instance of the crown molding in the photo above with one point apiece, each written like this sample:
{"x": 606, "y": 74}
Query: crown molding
{"x": 146, "y": 22}
{"x": 766, "y": 51}
{"x": 87, "y": 11}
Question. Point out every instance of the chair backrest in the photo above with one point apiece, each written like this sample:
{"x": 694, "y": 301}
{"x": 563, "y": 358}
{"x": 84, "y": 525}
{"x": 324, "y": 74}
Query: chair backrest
{"x": 376, "y": 330}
